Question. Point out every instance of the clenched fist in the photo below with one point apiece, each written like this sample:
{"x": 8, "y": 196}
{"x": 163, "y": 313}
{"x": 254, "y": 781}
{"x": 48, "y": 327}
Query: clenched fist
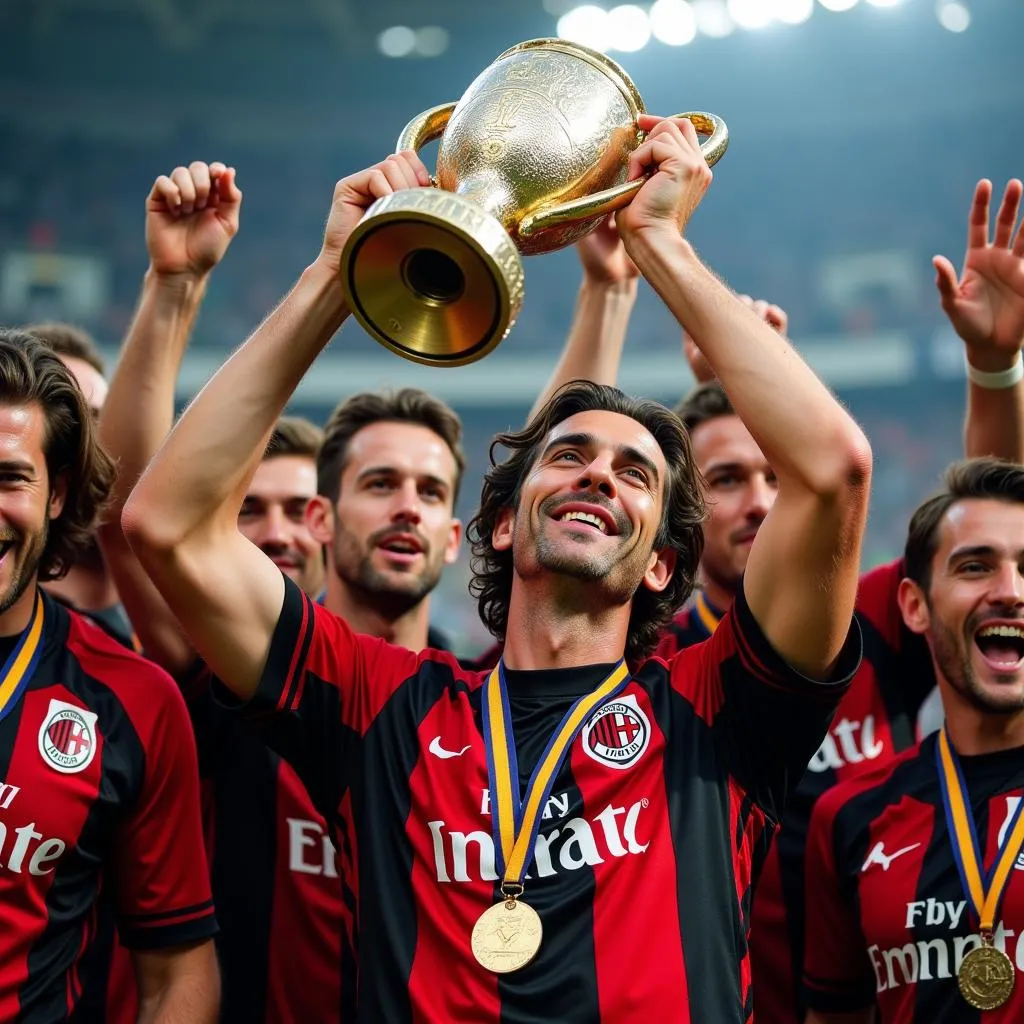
{"x": 191, "y": 217}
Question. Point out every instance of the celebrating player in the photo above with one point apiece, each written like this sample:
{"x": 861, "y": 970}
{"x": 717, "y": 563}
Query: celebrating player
{"x": 98, "y": 784}
{"x": 915, "y": 873}
{"x": 377, "y": 498}
{"x": 646, "y": 797}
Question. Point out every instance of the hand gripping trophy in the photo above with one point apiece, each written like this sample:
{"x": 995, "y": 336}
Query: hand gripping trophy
{"x": 531, "y": 159}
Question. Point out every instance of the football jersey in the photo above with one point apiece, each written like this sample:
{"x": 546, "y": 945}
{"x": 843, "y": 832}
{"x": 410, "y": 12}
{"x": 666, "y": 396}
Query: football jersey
{"x": 887, "y": 918}
{"x": 99, "y": 801}
{"x": 648, "y": 843}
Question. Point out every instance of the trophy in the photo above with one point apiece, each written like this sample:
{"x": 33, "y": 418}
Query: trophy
{"x": 531, "y": 159}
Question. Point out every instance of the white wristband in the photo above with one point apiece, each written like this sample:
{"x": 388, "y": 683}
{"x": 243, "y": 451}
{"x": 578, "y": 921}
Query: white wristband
{"x": 1001, "y": 378}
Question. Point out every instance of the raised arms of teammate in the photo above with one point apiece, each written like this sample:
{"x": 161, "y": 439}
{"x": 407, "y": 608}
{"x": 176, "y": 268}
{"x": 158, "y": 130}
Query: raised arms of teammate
{"x": 191, "y": 217}
{"x": 985, "y": 305}
{"x": 801, "y": 578}
{"x": 181, "y": 519}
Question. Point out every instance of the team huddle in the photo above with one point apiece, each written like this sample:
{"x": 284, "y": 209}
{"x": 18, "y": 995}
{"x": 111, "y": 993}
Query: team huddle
{"x": 710, "y": 771}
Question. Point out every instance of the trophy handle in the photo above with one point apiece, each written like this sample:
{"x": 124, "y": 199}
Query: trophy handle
{"x": 424, "y": 128}
{"x": 611, "y": 199}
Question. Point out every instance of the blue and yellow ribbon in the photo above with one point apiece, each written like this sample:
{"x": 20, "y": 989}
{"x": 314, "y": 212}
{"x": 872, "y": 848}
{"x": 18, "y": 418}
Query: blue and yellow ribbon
{"x": 985, "y": 892}
{"x": 21, "y": 664}
{"x": 709, "y": 617}
{"x": 516, "y": 818}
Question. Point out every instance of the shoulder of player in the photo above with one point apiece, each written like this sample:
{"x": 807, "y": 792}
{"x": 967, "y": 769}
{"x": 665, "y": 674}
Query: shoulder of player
{"x": 858, "y": 801}
{"x": 135, "y": 680}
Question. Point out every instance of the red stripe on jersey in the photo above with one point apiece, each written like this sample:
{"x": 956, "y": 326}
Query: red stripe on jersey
{"x": 453, "y": 876}
{"x": 291, "y": 695}
{"x": 876, "y": 591}
{"x": 306, "y": 918}
{"x": 56, "y": 808}
{"x": 636, "y": 914}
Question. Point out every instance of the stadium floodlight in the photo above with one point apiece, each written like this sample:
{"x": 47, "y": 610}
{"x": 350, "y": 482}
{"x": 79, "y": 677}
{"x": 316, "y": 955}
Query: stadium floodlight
{"x": 838, "y": 5}
{"x": 792, "y": 12}
{"x": 712, "y": 17}
{"x": 883, "y": 3}
{"x": 587, "y": 25}
{"x": 629, "y": 28}
{"x": 431, "y": 41}
{"x": 673, "y": 22}
{"x": 397, "y": 41}
{"x": 954, "y": 15}
{"x": 750, "y": 13}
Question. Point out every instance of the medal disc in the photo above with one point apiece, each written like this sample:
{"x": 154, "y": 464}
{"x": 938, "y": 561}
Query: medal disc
{"x": 986, "y": 977}
{"x": 507, "y": 936}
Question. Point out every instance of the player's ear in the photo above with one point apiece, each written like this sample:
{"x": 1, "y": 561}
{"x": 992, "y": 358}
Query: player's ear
{"x": 660, "y": 568}
{"x": 58, "y": 495}
{"x": 501, "y": 535}
{"x": 320, "y": 519}
{"x": 451, "y": 548}
{"x": 914, "y": 608}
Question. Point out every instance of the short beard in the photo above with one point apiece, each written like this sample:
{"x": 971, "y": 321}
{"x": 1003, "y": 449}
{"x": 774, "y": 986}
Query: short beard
{"x": 25, "y": 574}
{"x": 954, "y": 664}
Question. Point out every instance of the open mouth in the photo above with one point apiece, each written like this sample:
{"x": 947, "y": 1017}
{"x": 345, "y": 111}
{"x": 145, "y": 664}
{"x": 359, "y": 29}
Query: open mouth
{"x": 401, "y": 544}
{"x": 1002, "y": 646}
{"x": 591, "y": 518}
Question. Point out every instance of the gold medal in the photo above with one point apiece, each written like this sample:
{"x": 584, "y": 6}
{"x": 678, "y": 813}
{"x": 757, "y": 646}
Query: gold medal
{"x": 986, "y": 977}
{"x": 507, "y": 936}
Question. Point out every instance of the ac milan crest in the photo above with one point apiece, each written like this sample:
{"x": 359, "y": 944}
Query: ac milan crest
{"x": 67, "y": 739}
{"x": 617, "y": 734}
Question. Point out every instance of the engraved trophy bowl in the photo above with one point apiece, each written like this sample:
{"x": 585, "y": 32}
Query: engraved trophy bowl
{"x": 531, "y": 159}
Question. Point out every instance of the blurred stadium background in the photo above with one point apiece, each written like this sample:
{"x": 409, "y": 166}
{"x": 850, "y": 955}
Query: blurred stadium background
{"x": 858, "y": 132}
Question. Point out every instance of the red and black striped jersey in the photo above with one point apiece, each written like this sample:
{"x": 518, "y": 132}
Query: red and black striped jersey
{"x": 99, "y": 801}
{"x": 648, "y": 843}
{"x": 693, "y": 624}
{"x": 887, "y": 918}
{"x": 285, "y": 923}
{"x": 875, "y": 720}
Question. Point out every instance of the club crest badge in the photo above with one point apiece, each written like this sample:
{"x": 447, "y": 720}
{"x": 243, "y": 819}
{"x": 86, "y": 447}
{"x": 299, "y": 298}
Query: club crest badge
{"x": 617, "y": 734}
{"x": 67, "y": 739}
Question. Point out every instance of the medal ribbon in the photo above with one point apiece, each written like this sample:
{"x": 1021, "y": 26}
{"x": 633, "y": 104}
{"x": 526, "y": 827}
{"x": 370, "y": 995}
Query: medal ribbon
{"x": 984, "y": 892}
{"x": 515, "y": 820}
{"x": 21, "y": 664}
{"x": 708, "y": 617}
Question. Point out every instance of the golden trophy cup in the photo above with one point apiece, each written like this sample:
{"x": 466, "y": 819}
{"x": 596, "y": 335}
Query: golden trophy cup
{"x": 531, "y": 159}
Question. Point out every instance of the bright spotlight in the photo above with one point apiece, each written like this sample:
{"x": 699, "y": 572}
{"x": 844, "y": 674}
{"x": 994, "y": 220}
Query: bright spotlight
{"x": 397, "y": 41}
{"x": 954, "y": 16}
{"x": 712, "y": 17}
{"x": 587, "y": 25}
{"x": 673, "y": 22}
{"x": 838, "y": 5}
{"x": 629, "y": 28}
{"x": 750, "y": 13}
{"x": 883, "y": 3}
{"x": 792, "y": 12}
{"x": 431, "y": 41}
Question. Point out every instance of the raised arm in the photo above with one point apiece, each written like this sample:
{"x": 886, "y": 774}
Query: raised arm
{"x": 191, "y": 217}
{"x": 181, "y": 519}
{"x": 986, "y": 308}
{"x": 774, "y": 316}
{"x": 607, "y": 295}
{"x": 801, "y": 578}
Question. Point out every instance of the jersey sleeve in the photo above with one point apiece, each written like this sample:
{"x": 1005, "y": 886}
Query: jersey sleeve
{"x": 837, "y": 975}
{"x": 162, "y": 884}
{"x": 322, "y": 687}
{"x": 768, "y": 718}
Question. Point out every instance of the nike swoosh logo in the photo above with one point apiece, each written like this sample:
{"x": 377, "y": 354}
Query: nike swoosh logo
{"x": 878, "y": 856}
{"x": 438, "y": 751}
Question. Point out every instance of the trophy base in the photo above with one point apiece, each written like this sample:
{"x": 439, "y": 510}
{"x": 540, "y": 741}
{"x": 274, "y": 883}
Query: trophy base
{"x": 433, "y": 277}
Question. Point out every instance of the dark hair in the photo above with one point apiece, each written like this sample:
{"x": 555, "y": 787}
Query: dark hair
{"x": 31, "y": 372}
{"x": 681, "y": 523}
{"x": 705, "y": 402}
{"x": 69, "y": 340}
{"x": 987, "y": 478}
{"x": 409, "y": 405}
{"x": 294, "y": 435}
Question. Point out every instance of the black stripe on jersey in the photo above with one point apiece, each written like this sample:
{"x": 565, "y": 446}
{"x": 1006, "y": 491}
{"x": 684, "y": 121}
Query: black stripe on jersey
{"x": 791, "y": 846}
{"x": 571, "y": 944}
{"x": 391, "y": 739}
{"x": 709, "y": 930}
{"x": 242, "y": 875}
{"x": 345, "y": 844}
